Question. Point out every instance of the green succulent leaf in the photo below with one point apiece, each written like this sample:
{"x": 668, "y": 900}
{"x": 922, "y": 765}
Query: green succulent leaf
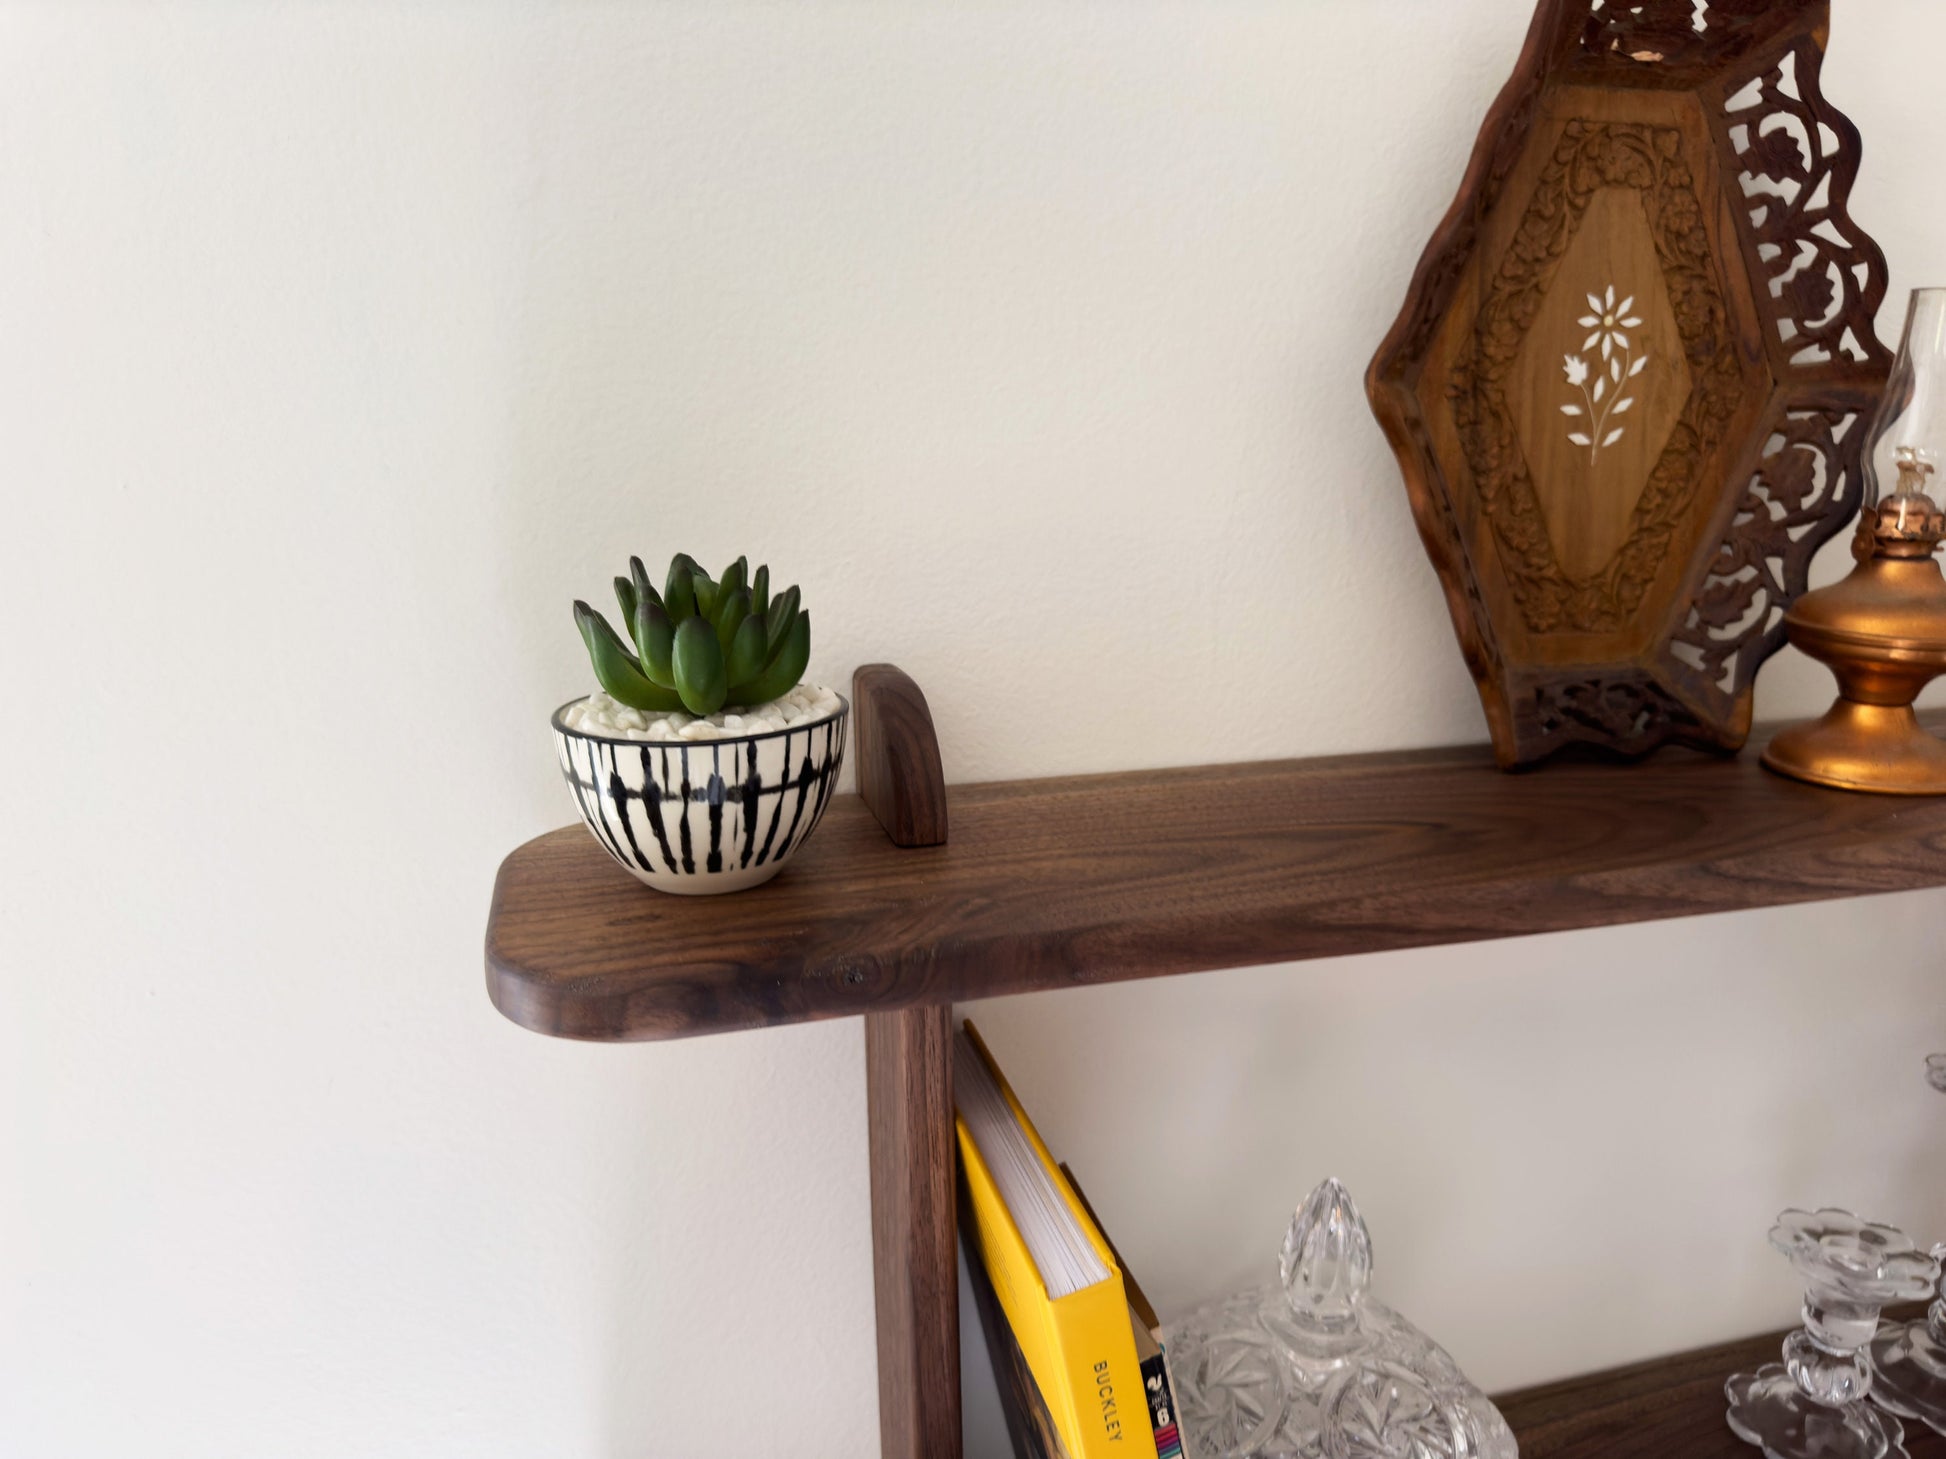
{"x": 736, "y": 577}
{"x": 655, "y": 636}
{"x": 699, "y": 669}
{"x": 749, "y": 652}
{"x": 708, "y": 593}
{"x": 616, "y": 669}
{"x": 783, "y": 608}
{"x": 640, "y": 591}
{"x": 760, "y": 592}
{"x": 639, "y": 576}
{"x": 679, "y": 592}
{"x": 785, "y": 668}
{"x": 731, "y": 610}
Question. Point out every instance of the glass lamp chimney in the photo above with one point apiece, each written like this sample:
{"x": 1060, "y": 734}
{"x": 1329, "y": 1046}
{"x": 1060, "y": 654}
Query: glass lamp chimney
{"x": 1910, "y": 431}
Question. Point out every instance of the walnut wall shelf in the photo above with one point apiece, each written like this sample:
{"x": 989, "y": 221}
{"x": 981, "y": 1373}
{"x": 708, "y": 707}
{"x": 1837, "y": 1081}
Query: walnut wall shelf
{"x": 1094, "y": 879}
{"x": 1054, "y": 883}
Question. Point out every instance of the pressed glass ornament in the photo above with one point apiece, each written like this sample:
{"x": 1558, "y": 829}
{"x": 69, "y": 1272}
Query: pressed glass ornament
{"x": 1909, "y": 1358}
{"x": 1812, "y": 1405}
{"x": 1314, "y": 1368}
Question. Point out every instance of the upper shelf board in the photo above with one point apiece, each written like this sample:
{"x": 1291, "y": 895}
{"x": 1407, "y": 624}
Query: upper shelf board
{"x": 1095, "y": 879}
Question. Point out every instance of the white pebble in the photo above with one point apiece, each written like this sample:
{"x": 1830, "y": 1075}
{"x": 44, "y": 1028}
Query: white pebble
{"x": 599, "y": 714}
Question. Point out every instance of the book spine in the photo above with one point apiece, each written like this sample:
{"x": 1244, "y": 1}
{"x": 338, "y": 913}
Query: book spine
{"x": 1108, "y": 1416}
{"x": 1162, "y": 1407}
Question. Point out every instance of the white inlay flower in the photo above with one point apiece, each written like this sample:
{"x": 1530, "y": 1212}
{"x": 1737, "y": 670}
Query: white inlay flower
{"x": 1608, "y": 321}
{"x": 1619, "y": 365}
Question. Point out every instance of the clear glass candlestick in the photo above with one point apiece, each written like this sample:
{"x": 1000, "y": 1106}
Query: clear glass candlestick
{"x": 1812, "y": 1405}
{"x": 1909, "y": 1358}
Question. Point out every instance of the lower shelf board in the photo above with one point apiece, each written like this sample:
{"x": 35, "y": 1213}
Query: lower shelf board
{"x": 1666, "y": 1408}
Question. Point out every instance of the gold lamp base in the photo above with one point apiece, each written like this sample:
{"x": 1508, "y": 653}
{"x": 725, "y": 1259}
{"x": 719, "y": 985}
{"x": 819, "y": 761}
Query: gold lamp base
{"x": 1882, "y": 633}
{"x": 1874, "y": 747}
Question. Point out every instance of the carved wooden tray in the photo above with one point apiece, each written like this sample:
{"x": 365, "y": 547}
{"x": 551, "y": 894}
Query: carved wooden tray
{"x": 1634, "y": 372}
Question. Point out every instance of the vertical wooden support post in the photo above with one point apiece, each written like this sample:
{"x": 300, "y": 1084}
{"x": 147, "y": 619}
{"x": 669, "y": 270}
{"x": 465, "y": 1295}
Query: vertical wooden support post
{"x": 909, "y": 1099}
{"x": 909, "y": 1103}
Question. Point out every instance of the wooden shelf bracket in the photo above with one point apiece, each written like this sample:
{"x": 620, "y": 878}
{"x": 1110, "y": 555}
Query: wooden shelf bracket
{"x": 900, "y": 776}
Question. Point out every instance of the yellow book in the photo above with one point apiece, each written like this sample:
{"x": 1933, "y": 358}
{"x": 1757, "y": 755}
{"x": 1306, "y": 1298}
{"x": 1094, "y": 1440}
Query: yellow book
{"x": 1052, "y": 1269}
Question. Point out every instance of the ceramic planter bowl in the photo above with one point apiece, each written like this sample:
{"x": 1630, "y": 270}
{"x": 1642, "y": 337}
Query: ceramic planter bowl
{"x": 703, "y": 816}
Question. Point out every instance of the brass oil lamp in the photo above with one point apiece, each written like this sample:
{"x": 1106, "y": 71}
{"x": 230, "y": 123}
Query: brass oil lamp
{"x": 1882, "y": 631}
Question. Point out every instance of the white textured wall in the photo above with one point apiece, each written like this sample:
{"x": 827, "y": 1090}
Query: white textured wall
{"x": 342, "y": 345}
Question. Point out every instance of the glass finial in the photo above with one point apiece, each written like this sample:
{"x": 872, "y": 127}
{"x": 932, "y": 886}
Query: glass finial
{"x": 1326, "y": 1260}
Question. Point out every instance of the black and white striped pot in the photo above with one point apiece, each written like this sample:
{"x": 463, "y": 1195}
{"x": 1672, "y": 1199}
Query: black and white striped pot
{"x": 702, "y": 816}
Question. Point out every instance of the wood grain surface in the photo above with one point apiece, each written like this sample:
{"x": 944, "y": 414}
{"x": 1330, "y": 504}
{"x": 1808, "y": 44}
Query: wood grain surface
{"x": 900, "y": 777}
{"x": 1056, "y": 883}
{"x": 1668, "y": 1408}
{"x": 909, "y": 1098}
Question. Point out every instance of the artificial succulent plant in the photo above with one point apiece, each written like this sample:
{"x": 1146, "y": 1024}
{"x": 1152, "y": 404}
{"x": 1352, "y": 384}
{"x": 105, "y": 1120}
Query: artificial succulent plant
{"x": 700, "y": 643}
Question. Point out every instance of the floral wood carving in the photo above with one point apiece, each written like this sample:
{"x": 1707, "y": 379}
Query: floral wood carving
{"x": 1797, "y": 159}
{"x": 1592, "y": 156}
{"x": 1810, "y": 474}
{"x": 1672, "y": 32}
{"x": 1618, "y": 572}
{"x": 1614, "y": 709}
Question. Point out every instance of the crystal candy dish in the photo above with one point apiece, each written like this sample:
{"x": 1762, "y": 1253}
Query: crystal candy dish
{"x": 1313, "y": 1368}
